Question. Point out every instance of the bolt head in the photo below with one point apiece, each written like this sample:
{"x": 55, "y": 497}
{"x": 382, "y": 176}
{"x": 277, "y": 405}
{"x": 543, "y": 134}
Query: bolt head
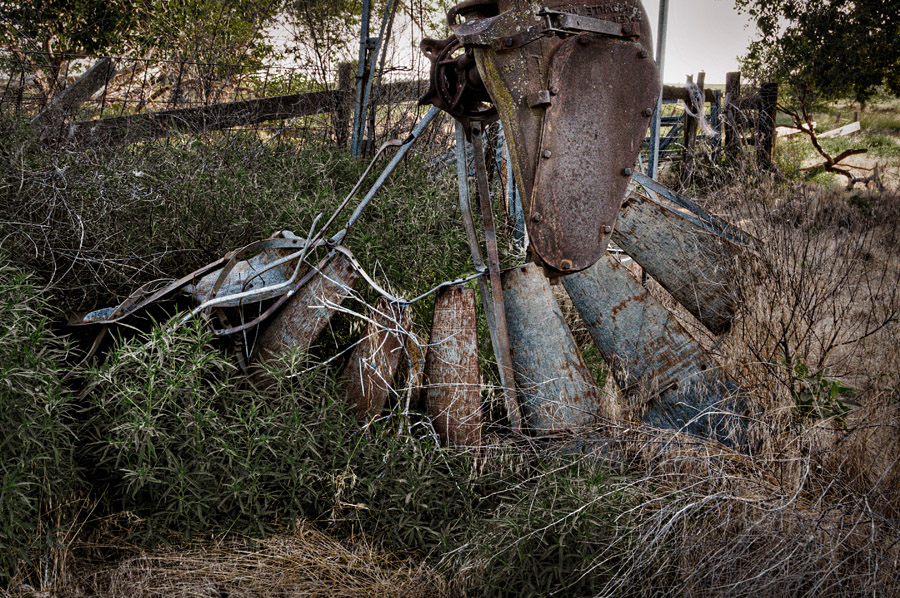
{"x": 554, "y": 90}
{"x": 626, "y": 172}
{"x": 607, "y": 229}
{"x": 508, "y": 42}
{"x": 627, "y": 29}
{"x": 647, "y": 112}
{"x": 565, "y": 265}
{"x": 643, "y": 54}
{"x": 537, "y": 217}
{"x": 546, "y": 153}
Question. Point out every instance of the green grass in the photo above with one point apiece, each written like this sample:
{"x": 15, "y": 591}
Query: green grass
{"x": 879, "y": 145}
{"x": 881, "y": 122}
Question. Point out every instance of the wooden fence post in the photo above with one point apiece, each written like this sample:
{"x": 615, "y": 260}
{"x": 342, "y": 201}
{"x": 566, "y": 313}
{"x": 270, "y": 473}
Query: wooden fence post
{"x": 72, "y": 97}
{"x": 765, "y": 127}
{"x": 690, "y": 125}
{"x": 344, "y": 105}
{"x": 732, "y": 102}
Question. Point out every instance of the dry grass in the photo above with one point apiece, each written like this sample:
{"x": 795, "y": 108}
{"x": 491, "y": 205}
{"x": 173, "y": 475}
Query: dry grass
{"x": 306, "y": 562}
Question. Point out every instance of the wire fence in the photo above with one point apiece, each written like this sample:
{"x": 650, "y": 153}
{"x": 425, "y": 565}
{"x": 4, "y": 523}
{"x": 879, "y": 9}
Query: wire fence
{"x": 317, "y": 105}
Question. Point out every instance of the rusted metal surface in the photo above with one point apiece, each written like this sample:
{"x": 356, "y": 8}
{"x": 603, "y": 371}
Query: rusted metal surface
{"x": 555, "y": 386}
{"x": 592, "y": 133}
{"x": 452, "y": 377}
{"x": 500, "y": 332}
{"x": 373, "y": 363}
{"x": 669, "y": 379}
{"x": 499, "y": 346}
{"x": 695, "y": 265}
{"x": 307, "y": 312}
{"x": 574, "y": 85}
{"x": 511, "y": 75}
{"x": 141, "y": 298}
{"x": 455, "y": 85}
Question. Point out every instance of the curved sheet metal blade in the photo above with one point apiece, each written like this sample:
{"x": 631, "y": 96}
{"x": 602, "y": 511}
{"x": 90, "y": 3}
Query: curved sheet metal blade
{"x": 592, "y": 133}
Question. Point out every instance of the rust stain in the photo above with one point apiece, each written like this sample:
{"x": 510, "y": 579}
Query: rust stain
{"x": 305, "y": 315}
{"x": 452, "y": 375}
{"x": 373, "y": 363}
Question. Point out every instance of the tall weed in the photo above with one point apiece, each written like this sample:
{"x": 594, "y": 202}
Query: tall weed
{"x": 39, "y": 478}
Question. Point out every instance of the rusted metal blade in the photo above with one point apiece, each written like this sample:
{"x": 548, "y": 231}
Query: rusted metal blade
{"x": 452, "y": 377}
{"x": 657, "y": 364}
{"x": 373, "y": 363}
{"x": 518, "y": 70}
{"x": 306, "y": 314}
{"x": 592, "y": 132}
{"x": 139, "y": 300}
{"x": 555, "y": 386}
{"x": 695, "y": 265}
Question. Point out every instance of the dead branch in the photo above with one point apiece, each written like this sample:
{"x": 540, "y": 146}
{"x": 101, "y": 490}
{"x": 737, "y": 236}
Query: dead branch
{"x": 831, "y": 163}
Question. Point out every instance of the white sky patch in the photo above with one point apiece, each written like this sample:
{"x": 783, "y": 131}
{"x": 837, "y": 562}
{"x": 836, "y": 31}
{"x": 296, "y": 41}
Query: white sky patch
{"x": 703, "y": 35}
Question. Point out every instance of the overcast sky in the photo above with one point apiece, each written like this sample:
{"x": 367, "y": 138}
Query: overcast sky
{"x": 703, "y": 35}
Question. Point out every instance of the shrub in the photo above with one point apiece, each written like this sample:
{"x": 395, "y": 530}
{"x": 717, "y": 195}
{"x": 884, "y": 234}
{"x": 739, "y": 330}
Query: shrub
{"x": 178, "y": 437}
{"x": 38, "y": 474}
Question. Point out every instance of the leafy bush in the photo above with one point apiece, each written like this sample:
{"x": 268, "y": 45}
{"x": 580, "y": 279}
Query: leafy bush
{"x": 99, "y": 223}
{"x": 184, "y": 442}
{"x": 38, "y": 474}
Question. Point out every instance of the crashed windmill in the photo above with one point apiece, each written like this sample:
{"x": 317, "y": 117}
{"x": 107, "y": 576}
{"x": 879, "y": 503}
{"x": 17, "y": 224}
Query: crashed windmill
{"x": 573, "y": 85}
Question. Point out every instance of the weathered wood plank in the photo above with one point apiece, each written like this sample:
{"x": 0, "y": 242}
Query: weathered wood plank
{"x": 765, "y": 125}
{"x": 129, "y": 129}
{"x": 691, "y": 124}
{"x": 672, "y": 93}
{"x": 732, "y": 112}
{"x": 841, "y": 131}
{"x": 72, "y": 97}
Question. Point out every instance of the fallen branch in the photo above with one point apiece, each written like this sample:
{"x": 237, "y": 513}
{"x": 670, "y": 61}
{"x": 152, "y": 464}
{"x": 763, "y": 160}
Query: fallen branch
{"x": 832, "y": 163}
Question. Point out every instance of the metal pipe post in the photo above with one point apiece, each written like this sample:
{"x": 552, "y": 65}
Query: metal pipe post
{"x": 360, "y": 74}
{"x": 373, "y": 60}
{"x": 653, "y": 162}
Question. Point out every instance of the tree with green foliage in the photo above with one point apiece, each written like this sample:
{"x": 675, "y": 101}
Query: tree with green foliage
{"x": 823, "y": 50}
{"x": 45, "y": 33}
